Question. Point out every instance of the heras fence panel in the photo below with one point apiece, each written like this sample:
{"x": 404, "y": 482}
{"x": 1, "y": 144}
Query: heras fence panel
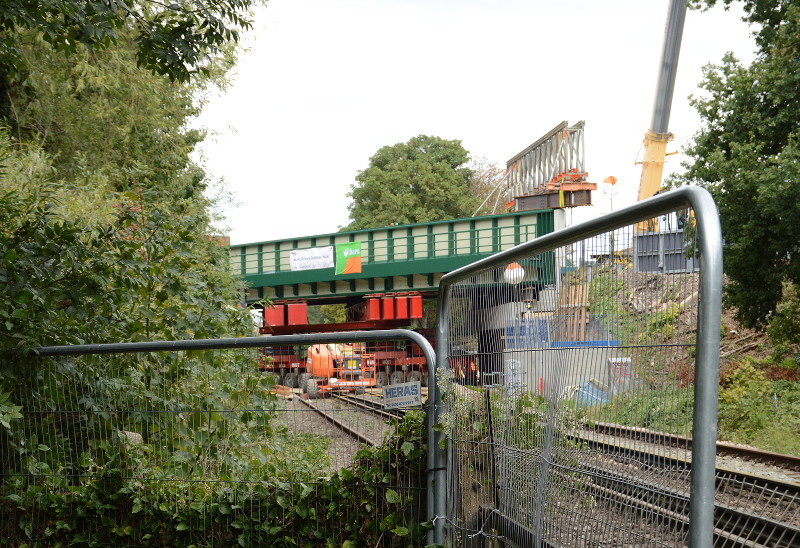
{"x": 540, "y": 349}
{"x": 192, "y": 443}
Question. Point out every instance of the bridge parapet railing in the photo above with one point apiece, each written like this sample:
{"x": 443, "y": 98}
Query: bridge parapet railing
{"x": 539, "y": 347}
{"x": 441, "y": 240}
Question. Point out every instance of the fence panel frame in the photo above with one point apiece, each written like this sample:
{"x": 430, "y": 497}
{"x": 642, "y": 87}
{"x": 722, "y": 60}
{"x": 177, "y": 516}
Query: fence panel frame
{"x": 279, "y": 340}
{"x": 706, "y": 388}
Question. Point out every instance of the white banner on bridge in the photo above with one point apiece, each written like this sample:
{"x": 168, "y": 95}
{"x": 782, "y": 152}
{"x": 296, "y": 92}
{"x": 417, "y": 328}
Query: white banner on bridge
{"x": 312, "y": 258}
{"x": 407, "y": 394}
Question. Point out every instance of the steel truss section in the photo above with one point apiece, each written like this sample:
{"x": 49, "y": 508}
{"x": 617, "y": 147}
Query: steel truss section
{"x": 553, "y": 163}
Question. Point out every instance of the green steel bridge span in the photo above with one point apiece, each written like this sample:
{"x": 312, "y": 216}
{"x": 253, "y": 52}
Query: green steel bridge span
{"x": 403, "y": 258}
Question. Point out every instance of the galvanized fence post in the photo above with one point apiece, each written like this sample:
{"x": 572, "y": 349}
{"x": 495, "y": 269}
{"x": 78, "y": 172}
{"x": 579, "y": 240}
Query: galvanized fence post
{"x": 704, "y": 428}
{"x": 437, "y": 495}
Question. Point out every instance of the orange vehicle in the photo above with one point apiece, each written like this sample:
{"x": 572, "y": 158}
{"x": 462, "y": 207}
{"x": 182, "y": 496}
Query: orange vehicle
{"x": 325, "y": 368}
{"x": 337, "y": 368}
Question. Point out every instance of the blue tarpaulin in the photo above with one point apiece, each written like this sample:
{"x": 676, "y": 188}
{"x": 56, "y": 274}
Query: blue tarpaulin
{"x": 589, "y": 394}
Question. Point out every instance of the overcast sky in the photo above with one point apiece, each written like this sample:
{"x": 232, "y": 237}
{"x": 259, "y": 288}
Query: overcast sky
{"x": 326, "y": 83}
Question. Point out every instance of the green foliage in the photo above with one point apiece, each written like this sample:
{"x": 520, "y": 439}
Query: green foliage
{"x": 668, "y": 409}
{"x": 486, "y": 184}
{"x": 748, "y": 155}
{"x": 784, "y": 324}
{"x": 104, "y": 234}
{"x": 757, "y": 411}
{"x": 141, "y": 278}
{"x": 8, "y": 411}
{"x": 255, "y": 504}
{"x": 603, "y": 292}
{"x": 327, "y": 313}
{"x": 743, "y": 401}
{"x": 771, "y": 16}
{"x": 663, "y": 321}
{"x": 604, "y": 302}
{"x": 368, "y": 491}
{"x": 207, "y": 426}
{"x": 54, "y": 276}
{"x": 419, "y": 181}
{"x": 523, "y": 421}
{"x": 144, "y": 140}
{"x": 175, "y": 39}
{"x": 752, "y": 409}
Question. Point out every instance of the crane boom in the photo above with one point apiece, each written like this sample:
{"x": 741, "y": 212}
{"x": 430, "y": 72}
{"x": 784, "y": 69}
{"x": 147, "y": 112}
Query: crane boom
{"x": 657, "y": 137}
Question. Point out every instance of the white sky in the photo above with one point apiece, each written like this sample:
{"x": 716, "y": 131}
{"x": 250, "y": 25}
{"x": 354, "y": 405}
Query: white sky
{"x": 326, "y": 83}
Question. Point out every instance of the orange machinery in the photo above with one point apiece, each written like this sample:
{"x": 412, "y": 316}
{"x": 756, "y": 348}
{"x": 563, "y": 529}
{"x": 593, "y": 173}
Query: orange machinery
{"x": 328, "y": 368}
{"x": 337, "y": 368}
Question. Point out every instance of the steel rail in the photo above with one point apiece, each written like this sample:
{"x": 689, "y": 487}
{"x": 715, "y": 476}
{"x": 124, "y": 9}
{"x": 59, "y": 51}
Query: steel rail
{"x": 372, "y": 407}
{"x": 353, "y": 433}
{"x": 741, "y": 525}
{"x": 672, "y": 504}
{"x": 726, "y": 474}
{"x": 788, "y": 462}
{"x": 743, "y": 522}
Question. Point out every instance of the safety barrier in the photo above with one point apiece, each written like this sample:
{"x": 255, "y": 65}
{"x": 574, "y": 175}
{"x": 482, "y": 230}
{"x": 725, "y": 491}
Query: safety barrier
{"x": 560, "y": 369}
{"x": 185, "y": 443}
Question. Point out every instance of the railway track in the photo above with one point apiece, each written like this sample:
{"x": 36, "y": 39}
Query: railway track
{"x": 372, "y": 404}
{"x": 790, "y": 463}
{"x": 750, "y": 510}
{"x": 357, "y": 416}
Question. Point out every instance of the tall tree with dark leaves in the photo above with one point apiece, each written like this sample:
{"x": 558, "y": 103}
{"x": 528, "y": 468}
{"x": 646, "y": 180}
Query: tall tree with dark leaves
{"x": 175, "y": 38}
{"x": 425, "y": 179}
{"x": 96, "y": 170}
{"x": 748, "y": 155}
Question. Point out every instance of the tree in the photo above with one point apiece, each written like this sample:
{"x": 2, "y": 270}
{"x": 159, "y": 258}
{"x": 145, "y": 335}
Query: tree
{"x": 105, "y": 236}
{"x": 108, "y": 125}
{"x": 99, "y": 190}
{"x": 423, "y": 180}
{"x": 175, "y": 39}
{"x": 748, "y": 155}
{"x": 487, "y": 184}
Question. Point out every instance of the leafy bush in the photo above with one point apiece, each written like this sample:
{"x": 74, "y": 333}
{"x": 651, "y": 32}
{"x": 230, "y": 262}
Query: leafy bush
{"x": 757, "y": 411}
{"x": 149, "y": 274}
{"x": 375, "y": 501}
{"x": 784, "y": 323}
{"x": 744, "y": 402}
{"x": 667, "y": 409}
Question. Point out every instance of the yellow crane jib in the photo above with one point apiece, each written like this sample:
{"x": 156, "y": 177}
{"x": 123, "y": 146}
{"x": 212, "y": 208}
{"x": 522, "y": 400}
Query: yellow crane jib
{"x": 655, "y": 151}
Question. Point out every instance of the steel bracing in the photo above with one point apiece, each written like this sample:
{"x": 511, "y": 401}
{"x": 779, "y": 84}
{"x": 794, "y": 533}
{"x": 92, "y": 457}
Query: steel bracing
{"x": 556, "y": 159}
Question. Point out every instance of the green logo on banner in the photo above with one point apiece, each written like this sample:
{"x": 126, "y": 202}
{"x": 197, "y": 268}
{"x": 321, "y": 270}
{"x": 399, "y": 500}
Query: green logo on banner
{"x": 348, "y": 258}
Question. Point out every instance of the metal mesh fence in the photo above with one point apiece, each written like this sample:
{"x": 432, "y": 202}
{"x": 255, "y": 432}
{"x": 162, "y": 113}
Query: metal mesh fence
{"x": 565, "y": 366}
{"x": 201, "y": 447}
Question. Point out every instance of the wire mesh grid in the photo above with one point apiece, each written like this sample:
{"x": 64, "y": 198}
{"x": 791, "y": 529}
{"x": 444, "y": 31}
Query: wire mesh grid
{"x": 203, "y": 448}
{"x": 754, "y": 511}
{"x": 547, "y": 352}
